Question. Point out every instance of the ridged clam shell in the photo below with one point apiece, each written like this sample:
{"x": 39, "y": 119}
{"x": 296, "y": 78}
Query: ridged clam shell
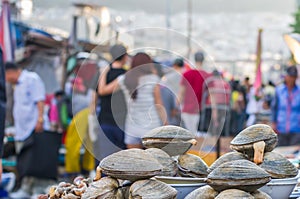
{"x": 278, "y": 166}
{"x": 260, "y": 195}
{"x": 234, "y": 194}
{"x": 228, "y": 157}
{"x": 192, "y": 166}
{"x": 243, "y": 142}
{"x": 131, "y": 164}
{"x": 151, "y": 189}
{"x": 168, "y": 163}
{"x": 169, "y": 131}
{"x": 205, "y": 192}
{"x": 238, "y": 174}
{"x": 106, "y": 187}
{"x": 174, "y": 140}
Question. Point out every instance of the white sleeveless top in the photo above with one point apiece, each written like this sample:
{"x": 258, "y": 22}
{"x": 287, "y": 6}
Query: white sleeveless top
{"x": 142, "y": 114}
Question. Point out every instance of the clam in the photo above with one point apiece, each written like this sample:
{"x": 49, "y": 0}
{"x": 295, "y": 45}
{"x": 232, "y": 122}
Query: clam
{"x": 278, "y": 166}
{"x": 254, "y": 141}
{"x": 106, "y": 187}
{"x": 238, "y": 174}
{"x": 130, "y": 164}
{"x": 228, "y": 157}
{"x": 168, "y": 163}
{"x": 234, "y": 194}
{"x": 174, "y": 140}
{"x": 205, "y": 192}
{"x": 260, "y": 195}
{"x": 148, "y": 189}
{"x": 190, "y": 165}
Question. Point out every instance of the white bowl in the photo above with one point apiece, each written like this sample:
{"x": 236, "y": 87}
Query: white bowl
{"x": 184, "y": 189}
{"x": 280, "y": 188}
{"x": 183, "y": 185}
{"x": 180, "y": 180}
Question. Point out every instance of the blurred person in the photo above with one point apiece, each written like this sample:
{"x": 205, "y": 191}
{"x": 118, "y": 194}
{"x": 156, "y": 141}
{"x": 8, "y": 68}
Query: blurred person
{"x": 142, "y": 93}
{"x": 190, "y": 94}
{"x": 77, "y": 133}
{"x": 77, "y": 136}
{"x": 170, "y": 86}
{"x": 81, "y": 95}
{"x": 269, "y": 89}
{"x": 245, "y": 89}
{"x": 28, "y": 112}
{"x": 217, "y": 102}
{"x": 246, "y": 85}
{"x": 172, "y": 79}
{"x": 2, "y": 108}
{"x": 255, "y": 100}
{"x": 54, "y": 112}
{"x": 237, "y": 108}
{"x": 113, "y": 109}
{"x": 286, "y": 109}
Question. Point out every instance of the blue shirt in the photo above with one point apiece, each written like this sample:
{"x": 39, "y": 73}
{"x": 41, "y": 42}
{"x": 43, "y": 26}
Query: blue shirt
{"x": 28, "y": 91}
{"x": 286, "y": 109}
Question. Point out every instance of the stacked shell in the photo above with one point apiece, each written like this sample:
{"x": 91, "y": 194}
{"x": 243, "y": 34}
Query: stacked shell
{"x": 138, "y": 166}
{"x": 240, "y": 173}
{"x": 176, "y": 141}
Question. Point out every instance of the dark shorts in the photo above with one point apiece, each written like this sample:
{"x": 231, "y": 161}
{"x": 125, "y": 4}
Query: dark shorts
{"x": 114, "y": 134}
{"x": 110, "y": 140}
{"x": 288, "y": 139}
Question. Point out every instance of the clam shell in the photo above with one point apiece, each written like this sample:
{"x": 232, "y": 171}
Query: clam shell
{"x": 243, "y": 142}
{"x": 170, "y": 132}
{"x": 228, "y": 157}
{"x": 234, "y": 194}
{"x": 173, "y": 140}
{"x": 106, "y": 187}
{"x": 278, "y": 166}
{"x": 260, "y": 195}
{"x": 131, "y": 164}
{"x": 190, "y": 165}
{"x": 168, "y": 163}
{"x": 151, "y": 189}
{"x": 205, "y": 192}
{"x": 238, "y": 174}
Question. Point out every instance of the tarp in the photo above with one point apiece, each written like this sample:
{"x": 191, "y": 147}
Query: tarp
{"x": 6, "y": 34}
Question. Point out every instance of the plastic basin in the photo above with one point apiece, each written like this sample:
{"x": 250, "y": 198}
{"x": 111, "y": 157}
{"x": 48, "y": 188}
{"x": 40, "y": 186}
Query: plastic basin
{"x": 280, "y": 188}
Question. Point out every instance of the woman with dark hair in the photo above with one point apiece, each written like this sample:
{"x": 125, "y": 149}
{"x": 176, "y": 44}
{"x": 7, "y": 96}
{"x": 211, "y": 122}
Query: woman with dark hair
{"x": 142, "y": 93}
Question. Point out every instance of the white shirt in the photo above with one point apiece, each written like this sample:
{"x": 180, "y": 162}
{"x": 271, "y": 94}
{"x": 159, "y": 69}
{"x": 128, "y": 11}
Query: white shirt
{"x": 142, "y": 114}
{"x": 29, "y": 90}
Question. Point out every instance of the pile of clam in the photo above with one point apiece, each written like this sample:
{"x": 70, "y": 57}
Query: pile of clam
{"x": 252, "y": 164}
{"x": 172, "y": 142}
{"x": 238, "y": 174}
{"x": 129, "y": 172}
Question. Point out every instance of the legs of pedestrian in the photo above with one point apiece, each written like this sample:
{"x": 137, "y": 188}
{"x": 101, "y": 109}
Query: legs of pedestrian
{"x": 191, "y": 121}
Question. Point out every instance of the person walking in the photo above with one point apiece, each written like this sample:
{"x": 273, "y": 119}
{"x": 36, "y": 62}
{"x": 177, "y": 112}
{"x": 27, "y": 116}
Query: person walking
{"x": 170, "y": 85}
{"x": 2, "y": 107}
{"x": 286, "y": 109}
{"x": 190, "y": 94}
{"x": 28, "y": 113}
{"x": 113, "y": 108}
{"x": 142, "y": 93}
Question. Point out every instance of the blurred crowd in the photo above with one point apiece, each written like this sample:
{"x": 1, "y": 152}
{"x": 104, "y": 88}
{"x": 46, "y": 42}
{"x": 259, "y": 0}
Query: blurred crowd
{"x": 124, "y": 100}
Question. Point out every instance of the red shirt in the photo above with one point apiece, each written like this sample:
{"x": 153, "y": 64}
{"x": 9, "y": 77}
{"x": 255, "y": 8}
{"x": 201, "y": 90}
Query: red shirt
{"x": 193, "y": 81}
